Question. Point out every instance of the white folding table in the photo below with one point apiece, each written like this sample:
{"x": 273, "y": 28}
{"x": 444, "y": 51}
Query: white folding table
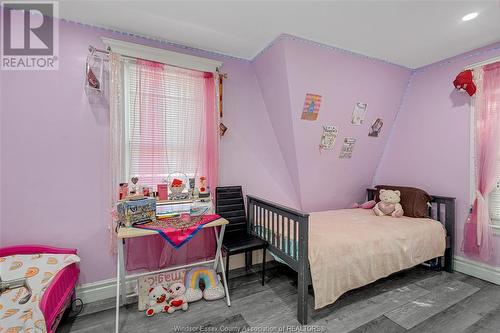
{"x": 130, "y": 232}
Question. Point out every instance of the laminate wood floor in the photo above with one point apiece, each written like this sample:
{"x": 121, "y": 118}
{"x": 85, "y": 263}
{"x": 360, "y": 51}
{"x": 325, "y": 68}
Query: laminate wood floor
{"x": 416, "y": 300}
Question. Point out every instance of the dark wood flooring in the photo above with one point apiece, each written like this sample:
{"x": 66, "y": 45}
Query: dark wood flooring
{"x": 416, "y": 300}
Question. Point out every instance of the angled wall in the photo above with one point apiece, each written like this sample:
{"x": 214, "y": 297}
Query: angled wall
{"x": 292, "y": 67}
{"x": 271, "y": 72}
{"x": 430, "y": 144}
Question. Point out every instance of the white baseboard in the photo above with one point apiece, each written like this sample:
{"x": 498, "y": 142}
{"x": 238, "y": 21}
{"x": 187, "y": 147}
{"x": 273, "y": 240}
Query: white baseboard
{"x": 104, "y": 289}
{"x": 101, "y": 290}
{"x": 477, "y": 269}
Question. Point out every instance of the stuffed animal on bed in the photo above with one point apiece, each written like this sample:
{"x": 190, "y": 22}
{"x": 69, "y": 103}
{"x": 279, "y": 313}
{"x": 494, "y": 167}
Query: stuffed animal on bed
{"x": 158, "y": 300}
{"x": 178, "y": 300}
{"x": 389, "y": 204}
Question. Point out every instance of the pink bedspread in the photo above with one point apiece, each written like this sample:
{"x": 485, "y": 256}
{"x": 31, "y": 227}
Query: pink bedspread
{"x": 350, "y": 248}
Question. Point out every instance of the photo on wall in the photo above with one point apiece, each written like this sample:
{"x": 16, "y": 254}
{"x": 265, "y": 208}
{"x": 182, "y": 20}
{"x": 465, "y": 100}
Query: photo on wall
{"x": 376, "y": 128}
{"x": 347, "y": 148}
{"x": 359, "y": 113}
{"x": 328, "y": 137}
{"x": 311, "y": 107}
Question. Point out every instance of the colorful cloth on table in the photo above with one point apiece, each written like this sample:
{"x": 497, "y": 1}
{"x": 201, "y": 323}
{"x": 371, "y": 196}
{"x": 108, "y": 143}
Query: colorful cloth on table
{"x": 39, "y": 269}
{"x": 177, "y": 231}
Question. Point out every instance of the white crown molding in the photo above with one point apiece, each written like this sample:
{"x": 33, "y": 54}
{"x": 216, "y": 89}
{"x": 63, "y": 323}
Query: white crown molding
{"x": 482, "y": 63}
{"x": 161, "y": 55}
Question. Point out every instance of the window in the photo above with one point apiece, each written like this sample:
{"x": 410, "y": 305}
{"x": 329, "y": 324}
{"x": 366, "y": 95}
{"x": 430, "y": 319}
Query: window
{"x": 494, "y": 198}
{"x": 164, "y": 116}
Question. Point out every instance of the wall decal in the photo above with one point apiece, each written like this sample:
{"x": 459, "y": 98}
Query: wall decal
{"x": 347, "y": 148}
{"x": 311, "y": 107}
{"x": 376, "y": 128}
{"x": 328, "y": 137}
{"x": 358, "y": 114}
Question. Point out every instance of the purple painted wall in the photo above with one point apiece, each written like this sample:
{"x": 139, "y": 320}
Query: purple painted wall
{"x": 54, "y": 142}
{"x": 54, "y": 151}
{"x": 429, "y": 146}
{"x": 293, "y": 67}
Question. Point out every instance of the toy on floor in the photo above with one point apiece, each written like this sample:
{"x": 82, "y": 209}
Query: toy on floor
{"x": 178, "y": 300}
{"x": 389, "y": 204}
{"x": 213, "y": 287}
{"x": 158, "y": 300}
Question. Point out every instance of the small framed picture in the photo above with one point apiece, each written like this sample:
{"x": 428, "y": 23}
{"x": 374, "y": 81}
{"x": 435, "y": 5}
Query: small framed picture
{"x": 359, "y": 113}
{"x": 376, "y": 128}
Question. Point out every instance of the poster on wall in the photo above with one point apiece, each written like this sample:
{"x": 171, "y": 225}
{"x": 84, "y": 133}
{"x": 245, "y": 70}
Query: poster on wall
{"x": 145, "y": 283}
{"x": 376, "y": 128}
{"x": 311, "y": 107}
{"x": 347, "y": 148}
{"x": 358, "y": 114}
{"x": 328, "y": 137}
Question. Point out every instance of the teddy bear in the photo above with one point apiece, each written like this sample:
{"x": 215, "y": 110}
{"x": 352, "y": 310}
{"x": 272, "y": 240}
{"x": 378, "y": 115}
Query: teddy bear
{"x": 178, "y": 300}
{"x": 389, "y": 204}
{"x": 158, "y": 300}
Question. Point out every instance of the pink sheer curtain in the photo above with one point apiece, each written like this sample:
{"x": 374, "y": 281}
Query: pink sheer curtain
{"x": 211, "y": 136}
{"x": 153, "y": 93}
{"x": 478, "y": 233}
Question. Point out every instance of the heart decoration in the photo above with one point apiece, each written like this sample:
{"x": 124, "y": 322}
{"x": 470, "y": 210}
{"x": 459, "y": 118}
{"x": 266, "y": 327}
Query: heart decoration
{"x": 135, "y": 180}
{"x": 176, "y": 303}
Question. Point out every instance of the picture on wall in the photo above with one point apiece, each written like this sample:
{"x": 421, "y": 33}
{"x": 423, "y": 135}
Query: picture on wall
{"x": 376, "y": 128}
{"x": 328, "y": 137}
{"x": 358, "y": 114}
{"x": 311, "y": 107}
{"x": 347, "y": 148}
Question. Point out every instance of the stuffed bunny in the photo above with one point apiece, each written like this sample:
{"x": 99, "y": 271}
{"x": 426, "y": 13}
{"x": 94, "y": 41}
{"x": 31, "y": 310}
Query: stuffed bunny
{"x": 178, "y": 300}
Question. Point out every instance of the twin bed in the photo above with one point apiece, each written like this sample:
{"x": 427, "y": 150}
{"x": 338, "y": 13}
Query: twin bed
{"x": 344, "y": 249}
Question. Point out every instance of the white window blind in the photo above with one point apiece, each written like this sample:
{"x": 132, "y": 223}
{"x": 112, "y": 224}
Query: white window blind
{"x": 164, "y": 111}
{"x": 494, "y": 198}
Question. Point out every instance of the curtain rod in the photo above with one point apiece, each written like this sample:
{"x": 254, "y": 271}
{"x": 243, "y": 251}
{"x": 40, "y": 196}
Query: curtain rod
{"x": 482, "y": 63}
{"x": 93, "y": 50}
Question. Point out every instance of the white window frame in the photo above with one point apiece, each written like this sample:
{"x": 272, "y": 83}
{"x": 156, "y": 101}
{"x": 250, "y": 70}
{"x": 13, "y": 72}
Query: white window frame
{"x": 161, "y": 55}
{"x": 170, "y": 58}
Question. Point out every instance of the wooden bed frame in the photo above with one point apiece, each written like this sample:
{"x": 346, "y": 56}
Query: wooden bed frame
{"x": 264, "y": 215}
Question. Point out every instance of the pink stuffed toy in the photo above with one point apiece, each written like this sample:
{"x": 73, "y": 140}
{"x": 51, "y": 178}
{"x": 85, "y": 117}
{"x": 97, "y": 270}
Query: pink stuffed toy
{"x": 389, "y": 204}
{"x": 365, "y": 205}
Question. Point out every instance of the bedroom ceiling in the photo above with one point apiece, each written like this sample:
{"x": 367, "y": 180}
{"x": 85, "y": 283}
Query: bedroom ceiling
{"x": 408, "y": 33}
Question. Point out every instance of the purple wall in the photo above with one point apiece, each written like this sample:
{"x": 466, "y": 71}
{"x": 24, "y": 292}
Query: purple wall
{"x": 293, "y": 67}
{"x": 54, "y": 141}
{"x": 429, "y": 145}
{"x": 54, "y": 151}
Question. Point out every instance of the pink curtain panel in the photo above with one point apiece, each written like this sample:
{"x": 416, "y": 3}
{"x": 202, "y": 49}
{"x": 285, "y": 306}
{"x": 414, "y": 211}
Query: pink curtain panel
{"x": 478, "y": 233}
{"x": 153, "y": 252}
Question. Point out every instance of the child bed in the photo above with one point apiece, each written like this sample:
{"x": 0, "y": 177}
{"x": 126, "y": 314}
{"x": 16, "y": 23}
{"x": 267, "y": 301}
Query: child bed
{"x": 60, "y": 291}
{"x": 351, "y": 247}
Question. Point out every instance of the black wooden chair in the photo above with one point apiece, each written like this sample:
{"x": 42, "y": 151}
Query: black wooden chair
{"x": 230, "y": 205}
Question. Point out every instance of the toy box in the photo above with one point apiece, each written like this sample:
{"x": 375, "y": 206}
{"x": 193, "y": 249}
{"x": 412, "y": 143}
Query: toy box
{"x": 137, "y": 211}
